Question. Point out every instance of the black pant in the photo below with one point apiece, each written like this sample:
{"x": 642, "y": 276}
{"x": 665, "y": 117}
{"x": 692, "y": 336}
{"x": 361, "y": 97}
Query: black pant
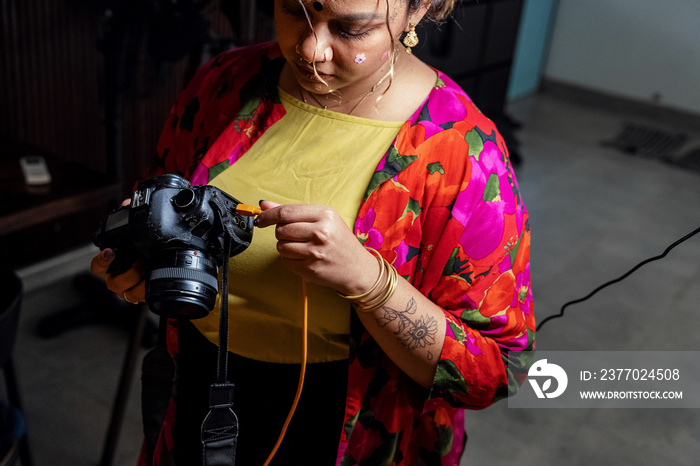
{"x": 263, "y": 397}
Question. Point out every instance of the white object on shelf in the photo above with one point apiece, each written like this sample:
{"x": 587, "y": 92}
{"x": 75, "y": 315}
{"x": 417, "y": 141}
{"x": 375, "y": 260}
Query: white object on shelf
{"x": 35, "y": 170}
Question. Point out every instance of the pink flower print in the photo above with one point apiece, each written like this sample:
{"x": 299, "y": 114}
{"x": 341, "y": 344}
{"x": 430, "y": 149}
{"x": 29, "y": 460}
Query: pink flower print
{"x": 370, "y": 236}
{"x": 359, "y": 58}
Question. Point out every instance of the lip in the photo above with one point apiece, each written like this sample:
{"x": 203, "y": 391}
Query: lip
{"x": 308, "y": 74}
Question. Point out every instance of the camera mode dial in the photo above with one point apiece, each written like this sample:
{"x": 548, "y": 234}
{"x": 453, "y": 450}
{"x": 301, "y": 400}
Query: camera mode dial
{"x": 185, "y": 200}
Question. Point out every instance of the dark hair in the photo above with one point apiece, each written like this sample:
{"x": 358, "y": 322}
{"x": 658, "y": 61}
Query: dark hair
{"x": 438, "y": 11}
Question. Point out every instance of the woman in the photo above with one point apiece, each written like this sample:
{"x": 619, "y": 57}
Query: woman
{"x": 350, "y": 137}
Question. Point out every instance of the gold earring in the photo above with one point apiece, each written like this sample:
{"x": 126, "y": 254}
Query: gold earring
{"x": 411, "y": 38}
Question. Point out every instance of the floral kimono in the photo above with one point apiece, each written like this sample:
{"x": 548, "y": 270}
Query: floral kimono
{"x": 443, "y": 207}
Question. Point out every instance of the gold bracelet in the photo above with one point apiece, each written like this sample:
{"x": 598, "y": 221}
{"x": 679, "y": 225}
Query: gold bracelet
{"x": 384, "y": 295}
{"x": 376, "y": 284}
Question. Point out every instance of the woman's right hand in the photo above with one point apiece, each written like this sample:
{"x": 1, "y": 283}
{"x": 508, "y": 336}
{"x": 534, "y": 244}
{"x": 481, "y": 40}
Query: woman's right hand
{"x": 129, "y": 285}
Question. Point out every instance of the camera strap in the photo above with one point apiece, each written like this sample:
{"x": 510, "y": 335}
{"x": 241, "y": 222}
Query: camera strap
{"x": 220, "y": 427}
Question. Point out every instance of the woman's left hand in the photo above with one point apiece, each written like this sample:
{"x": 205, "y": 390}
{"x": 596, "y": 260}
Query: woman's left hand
{"x": 316, "y": 244}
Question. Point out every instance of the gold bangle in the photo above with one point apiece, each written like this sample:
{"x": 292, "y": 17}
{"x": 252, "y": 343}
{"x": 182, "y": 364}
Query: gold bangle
{"x": 376, "y": 284}
{"x": 386, "y": 293}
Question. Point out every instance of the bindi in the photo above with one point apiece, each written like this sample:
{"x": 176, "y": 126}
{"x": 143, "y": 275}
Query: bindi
{"x": 318, "y": 6}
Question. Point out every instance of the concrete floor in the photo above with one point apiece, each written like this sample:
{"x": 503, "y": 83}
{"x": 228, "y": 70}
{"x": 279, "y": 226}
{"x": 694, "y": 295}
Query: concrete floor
{"x": 595, "y": 214}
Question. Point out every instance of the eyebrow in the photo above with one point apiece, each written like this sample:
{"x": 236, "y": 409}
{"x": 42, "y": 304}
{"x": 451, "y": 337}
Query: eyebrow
{"x": 359, "y": 17}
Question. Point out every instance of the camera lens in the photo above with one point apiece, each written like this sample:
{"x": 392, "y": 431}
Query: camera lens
{"x": 182, "y": 284}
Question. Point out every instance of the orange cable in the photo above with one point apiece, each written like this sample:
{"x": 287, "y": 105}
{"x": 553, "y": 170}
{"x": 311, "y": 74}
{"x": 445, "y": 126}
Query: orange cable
{"x": 248, "y": 210}
{"x": 301, "y": 376}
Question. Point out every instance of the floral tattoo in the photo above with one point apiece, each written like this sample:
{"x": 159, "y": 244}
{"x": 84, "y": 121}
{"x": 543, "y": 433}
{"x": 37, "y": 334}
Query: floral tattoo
{"x": 413, "y": 331}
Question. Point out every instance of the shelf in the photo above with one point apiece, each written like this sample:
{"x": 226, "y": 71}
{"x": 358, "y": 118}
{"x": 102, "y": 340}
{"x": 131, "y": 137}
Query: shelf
{"x": 72, "y": 189}
{"x": 37, "y": 222}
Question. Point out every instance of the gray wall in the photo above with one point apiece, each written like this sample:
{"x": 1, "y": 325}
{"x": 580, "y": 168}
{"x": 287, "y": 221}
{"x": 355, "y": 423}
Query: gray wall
{"x": 645, "y": 50}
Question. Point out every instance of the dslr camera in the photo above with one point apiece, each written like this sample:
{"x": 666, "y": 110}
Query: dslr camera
{"x": 184, "y": 233}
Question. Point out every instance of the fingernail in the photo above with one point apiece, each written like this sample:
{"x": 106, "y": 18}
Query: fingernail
{"x": 108, "y": 254}
{"x": 261, "y": 201}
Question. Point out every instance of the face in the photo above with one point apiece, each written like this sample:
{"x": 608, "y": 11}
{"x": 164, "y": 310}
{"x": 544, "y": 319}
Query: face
{"x": 350, "y": 42}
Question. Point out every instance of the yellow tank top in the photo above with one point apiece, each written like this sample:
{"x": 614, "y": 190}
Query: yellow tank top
{"x": 310, "y": 156}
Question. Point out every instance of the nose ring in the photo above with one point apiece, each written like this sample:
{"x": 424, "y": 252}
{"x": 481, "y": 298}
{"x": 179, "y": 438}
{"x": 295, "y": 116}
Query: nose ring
{"x": 306, "y": 61}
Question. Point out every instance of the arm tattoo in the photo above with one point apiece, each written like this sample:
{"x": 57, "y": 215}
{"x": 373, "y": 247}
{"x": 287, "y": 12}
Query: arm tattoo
{"x": 413, "y": 331}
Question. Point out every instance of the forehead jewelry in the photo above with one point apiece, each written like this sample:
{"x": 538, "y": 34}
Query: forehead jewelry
{"x": 318, "y": 6}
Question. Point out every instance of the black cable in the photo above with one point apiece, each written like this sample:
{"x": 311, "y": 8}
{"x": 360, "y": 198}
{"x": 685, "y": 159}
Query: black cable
{"x": 634, "y": 269}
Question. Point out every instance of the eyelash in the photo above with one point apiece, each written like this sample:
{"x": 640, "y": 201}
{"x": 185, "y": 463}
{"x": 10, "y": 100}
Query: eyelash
{"x": 341, "y": 32}
{"x": 347, "y": 35}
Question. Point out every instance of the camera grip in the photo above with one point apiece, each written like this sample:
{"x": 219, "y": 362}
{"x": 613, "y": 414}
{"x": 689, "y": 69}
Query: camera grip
{"x": 124, "y": 259}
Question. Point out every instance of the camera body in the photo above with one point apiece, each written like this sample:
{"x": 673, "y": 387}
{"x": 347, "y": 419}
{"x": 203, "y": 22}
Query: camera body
{"x": 182, "y": 232}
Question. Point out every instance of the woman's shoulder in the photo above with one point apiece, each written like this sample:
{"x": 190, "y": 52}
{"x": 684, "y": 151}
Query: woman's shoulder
{"x": 223, "y": 77}
{"x": 449, "y": 127}
{"x": 241, "y": 61}
{"x": 242, "y": 55}
{"x": 448, "y": 104}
